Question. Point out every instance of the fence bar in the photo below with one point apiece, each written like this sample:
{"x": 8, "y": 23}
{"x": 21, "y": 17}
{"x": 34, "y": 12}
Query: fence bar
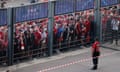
{"x": 98, "y": 20}
{"x": 10, "y": 36}
{"x": 50, "y": 26}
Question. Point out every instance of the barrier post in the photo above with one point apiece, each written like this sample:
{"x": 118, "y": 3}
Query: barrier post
{"x": 97, "y": 15}
{"x": 50, "y": 26}
{"x": 10, "y": 35}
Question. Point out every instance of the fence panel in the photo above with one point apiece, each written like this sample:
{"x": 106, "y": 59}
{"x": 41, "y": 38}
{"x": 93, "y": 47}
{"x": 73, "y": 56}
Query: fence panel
{"x": 64, "y": 6}
{"x": 3, "y": 17}
{"x": 30, "y": 36}
{"x": 111, "y": 28}
{"x": 105, "y": 3}
{"x": 3, "y": 36}
{"x": 82, "y": 5}
{"x": 72, "y": 27}
{"x": 31, "y": 12}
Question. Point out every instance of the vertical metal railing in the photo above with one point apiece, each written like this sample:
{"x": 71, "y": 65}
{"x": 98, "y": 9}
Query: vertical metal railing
{"x": 10, "y": 35}
{"x": 50, "y": 26}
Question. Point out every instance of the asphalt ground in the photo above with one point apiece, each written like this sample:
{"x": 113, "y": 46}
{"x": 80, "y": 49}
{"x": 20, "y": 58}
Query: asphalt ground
{"x": 73, "y": 61}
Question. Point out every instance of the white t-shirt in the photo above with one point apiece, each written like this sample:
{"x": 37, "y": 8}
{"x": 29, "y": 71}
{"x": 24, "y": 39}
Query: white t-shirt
{"x": 115, "y": 24}
{"x": 44, "y": 35}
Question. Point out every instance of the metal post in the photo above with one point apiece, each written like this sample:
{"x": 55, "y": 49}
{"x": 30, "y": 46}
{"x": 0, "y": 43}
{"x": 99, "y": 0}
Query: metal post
{"x": 50, "y": 26}
{"x": 75, "y": 2}
{"x": 10, "y": 35}
{"x": 98, "y": 25}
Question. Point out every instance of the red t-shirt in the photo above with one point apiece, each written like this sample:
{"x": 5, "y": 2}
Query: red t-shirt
{"x": 1, "y": 35}
{"x": 95, "y": 46}
{"x": 84, "y": 30}
{"x": 88, "y": 39}
{"x": 78, "y": 29}
{"x": 55, "y": 31}
{"x": 37, "y": 37}
{"x": 87, "y": 24}
{"x": 104, "y": 21}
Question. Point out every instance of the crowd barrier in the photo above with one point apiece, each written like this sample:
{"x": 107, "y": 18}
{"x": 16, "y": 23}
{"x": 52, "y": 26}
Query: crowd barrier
{"x": 73, "y": 27}
{"x": 108, "y": 26}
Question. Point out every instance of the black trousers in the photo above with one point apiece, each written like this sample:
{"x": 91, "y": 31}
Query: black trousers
{"x": 95, "y": 61}
{"x": 115, "y": 36}
{"x": 95, "y": 58}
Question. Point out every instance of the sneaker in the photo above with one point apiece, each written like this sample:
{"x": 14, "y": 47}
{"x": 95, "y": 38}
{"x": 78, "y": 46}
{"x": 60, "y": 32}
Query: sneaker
{"x": 94, "y": 68}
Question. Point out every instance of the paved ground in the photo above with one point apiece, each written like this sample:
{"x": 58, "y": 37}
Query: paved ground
{"x": 113, "y": 45}
{"x": 75, "y": 61}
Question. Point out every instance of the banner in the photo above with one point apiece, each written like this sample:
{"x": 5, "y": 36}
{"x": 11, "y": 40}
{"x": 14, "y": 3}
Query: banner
{"x": 31, "y": 12}
{"x": 64, "y": 6}
{"x": 3, "y": 16}
{"x": 84, "y": 5}
{"x": 108, "y": 2}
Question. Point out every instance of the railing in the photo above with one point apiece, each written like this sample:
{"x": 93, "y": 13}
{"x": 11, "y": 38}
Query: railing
{"x": 25, "y": 55}
{"x": 3, "y": 57}
{"x": 30, "y": 54}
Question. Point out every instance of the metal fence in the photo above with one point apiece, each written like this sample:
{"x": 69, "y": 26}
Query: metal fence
{"x": 111, "y": 28}
{"x": 73, "y": 26}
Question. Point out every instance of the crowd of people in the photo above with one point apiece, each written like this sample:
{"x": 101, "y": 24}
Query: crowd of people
{"x": 111, "y": 25}
{"x": 73, "y": 29}
{"x": 30, "y": 38}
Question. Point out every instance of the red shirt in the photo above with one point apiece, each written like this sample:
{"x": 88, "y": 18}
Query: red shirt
{"x": 37, "y": 37}
{"x": 78, "y": 30}
{"x": 88, "y": 39}
{"x": 104, "y": 21}
{"x": 95, "y": 46}
{"x": 1, "y": 35}
{"x": 55, "y": 31}
{"x": 87, "y": 24}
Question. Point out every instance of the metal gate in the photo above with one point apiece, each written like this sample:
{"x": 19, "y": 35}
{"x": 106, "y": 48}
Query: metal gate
{"x": 3, "y": 37}
{"x": 110, "y": 20}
